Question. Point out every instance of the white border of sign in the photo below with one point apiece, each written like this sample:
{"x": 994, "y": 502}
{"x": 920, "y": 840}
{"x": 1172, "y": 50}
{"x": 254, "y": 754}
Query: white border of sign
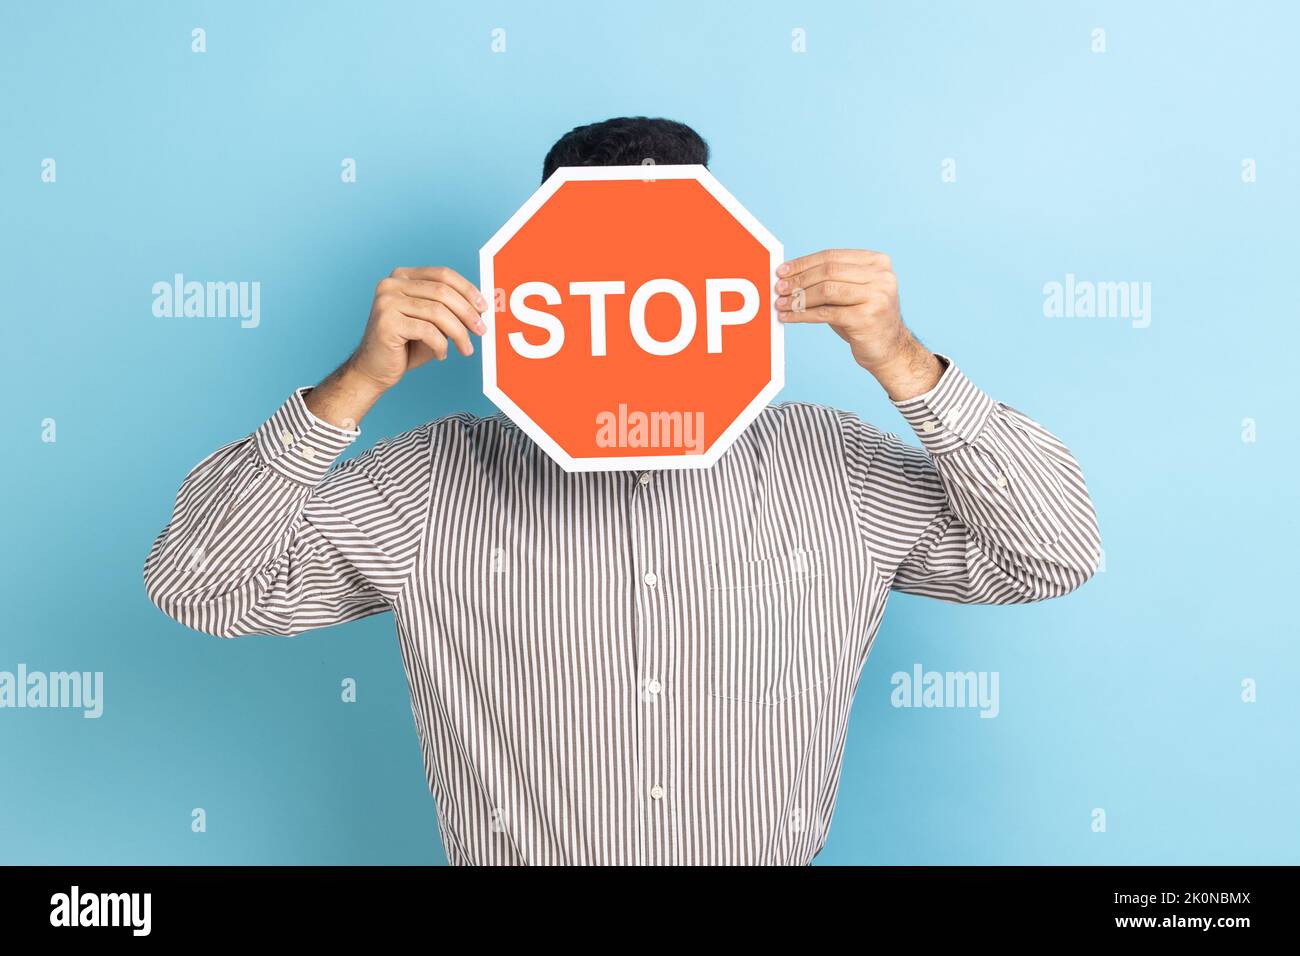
{"x": 486, "y": 285}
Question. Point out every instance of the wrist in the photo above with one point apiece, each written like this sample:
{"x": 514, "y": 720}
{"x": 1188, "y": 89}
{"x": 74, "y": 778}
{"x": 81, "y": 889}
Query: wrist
{"x": 359, "y": 383}
{"x": 344, "y": 397}
{"x": 910, "y": 370}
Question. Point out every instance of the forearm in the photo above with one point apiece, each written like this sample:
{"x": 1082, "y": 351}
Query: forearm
{"x": 1016, "y": 522}
{"x": 228, "y": 551}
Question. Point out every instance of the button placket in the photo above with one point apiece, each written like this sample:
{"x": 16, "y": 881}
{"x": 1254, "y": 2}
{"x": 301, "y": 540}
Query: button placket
{"x": 651, "y": 650}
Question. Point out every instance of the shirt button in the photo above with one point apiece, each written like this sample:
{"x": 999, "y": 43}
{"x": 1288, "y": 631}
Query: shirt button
{"x": 1000, "y": 481}
{"x": 651, "y": 579}
{"x": 656, "y": 792}
{"x": 645, "y": 478}
{"x": 286, "y": 439}
{"x": 653, "y": 686}
{"x": 929, "y": 425}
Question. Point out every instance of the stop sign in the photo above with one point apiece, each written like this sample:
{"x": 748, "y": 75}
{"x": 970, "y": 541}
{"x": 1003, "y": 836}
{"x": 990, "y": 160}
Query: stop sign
{"x": 632, "y": 323}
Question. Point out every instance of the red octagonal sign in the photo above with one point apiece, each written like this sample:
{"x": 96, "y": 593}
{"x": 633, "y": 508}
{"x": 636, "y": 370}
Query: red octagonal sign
{"x": 632, "y": 323}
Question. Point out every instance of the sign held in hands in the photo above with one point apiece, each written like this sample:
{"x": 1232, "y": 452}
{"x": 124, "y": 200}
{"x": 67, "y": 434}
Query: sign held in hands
{"x": 631, "y": 323}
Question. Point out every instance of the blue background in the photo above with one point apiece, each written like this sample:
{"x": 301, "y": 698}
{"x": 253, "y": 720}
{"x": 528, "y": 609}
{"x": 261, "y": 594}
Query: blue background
{"x": 225, "y": 166}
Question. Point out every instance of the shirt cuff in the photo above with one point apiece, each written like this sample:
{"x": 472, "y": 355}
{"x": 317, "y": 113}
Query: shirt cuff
{"x": 949, "y": 415}
{"x": 298, "y": 445}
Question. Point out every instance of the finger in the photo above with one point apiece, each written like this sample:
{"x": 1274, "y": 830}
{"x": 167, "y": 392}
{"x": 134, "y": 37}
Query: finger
{"x": 447, "y": 321}
{"x": 803, "y": 263}
{"x": 448, "y": 276}
{"x": 426, "y": 338}
{"x": 837, "y": 270}
{"x": 438, "y": 291}
{"x": 830, "y": 292}
{"x": 823, "y": 315}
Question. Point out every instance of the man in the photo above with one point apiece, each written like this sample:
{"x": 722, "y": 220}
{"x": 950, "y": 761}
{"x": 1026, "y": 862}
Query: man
{"x": 623, "y": 667}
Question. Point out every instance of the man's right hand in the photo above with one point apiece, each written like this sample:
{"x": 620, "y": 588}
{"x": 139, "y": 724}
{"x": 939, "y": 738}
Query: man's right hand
{"x": 417, "y": 315}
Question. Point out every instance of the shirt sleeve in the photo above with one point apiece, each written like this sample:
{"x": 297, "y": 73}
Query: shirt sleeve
{"x": 267, "y": 536}
{"x": 993, "y": 508}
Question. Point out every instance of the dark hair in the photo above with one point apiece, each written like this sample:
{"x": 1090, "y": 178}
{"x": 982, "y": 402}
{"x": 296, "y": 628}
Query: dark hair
{"x": 627, "y": 141}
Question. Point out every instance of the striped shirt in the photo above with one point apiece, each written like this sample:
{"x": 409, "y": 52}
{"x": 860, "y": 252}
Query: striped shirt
{"x": 623, "y": 667}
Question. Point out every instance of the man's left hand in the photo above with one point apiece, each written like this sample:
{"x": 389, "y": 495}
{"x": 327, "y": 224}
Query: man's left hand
{"x": 855, "y": 292}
